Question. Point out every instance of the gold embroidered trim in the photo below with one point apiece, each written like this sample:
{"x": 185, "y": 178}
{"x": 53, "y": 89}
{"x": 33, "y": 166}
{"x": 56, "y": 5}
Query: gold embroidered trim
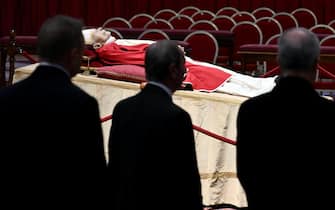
{"x": 216, "y": 175}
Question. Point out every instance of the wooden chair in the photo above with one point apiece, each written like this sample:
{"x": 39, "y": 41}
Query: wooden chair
{"x": 181, "y": 21}
{"x": 269, "y": 27}
{"x": 165, "y": 14}
{"x": 223, "y": 22}
{"x": 203, "y": 25}
{"x": 204, "y": 46}
{"x": 153, "y": 34}
{"x": 159, "y": 24}
{"x": 139, "y": 20}
{"x": 262, "y": 12}
{"x": 246, "y": 32}
{"x": 328, "y": 41}
{"x": 286, "y": 20}
{"x": 243, "y": 16}
{"x": 188, "y": 10}
{"x": 322, "y": 29}
{"x": 229, "y": 11}
{"x": 305, "y": 17}
{"x": 203, "y": 15}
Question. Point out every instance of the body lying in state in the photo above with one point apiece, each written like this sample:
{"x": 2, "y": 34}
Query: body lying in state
{"x": 202, "y": 75}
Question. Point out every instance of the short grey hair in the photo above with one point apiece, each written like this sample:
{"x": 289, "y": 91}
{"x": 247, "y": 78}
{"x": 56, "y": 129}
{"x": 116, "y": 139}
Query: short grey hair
{"x": 299, "y": 49}
{"x": 158, "y": 58}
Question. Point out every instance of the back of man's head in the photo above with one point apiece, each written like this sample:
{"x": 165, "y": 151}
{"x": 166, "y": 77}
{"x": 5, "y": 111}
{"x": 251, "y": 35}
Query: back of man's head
{"x": 299, "y": 51}
{"x": 158, "y": 59}
{"x": 57, "y": 36}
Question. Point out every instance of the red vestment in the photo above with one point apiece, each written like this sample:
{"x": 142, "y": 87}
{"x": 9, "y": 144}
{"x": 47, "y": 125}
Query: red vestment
{"x": 202, "y": 77}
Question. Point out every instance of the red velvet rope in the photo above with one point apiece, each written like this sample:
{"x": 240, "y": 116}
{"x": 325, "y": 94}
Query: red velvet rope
{"x": 31, "y": 59}
{"x": 204, "y": 131}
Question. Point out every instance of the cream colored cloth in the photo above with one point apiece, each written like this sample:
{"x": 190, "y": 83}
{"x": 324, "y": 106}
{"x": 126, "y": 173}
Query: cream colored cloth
{"x": 216, "y": 112}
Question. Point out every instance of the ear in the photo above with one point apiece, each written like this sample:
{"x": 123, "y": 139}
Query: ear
{"x": 173, "y": 71}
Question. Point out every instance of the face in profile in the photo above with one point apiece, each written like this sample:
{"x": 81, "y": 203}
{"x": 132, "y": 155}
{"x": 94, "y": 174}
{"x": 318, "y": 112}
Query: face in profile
{"x": 100, "y": 35}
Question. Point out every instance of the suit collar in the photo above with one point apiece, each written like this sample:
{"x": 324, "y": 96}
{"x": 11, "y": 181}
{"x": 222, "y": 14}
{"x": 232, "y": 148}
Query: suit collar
{"x": 161, "y": 85}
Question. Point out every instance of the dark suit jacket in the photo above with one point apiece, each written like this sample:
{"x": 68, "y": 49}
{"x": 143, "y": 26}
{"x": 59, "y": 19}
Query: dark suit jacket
{"x": 284, "y": 148}
{"x": 51, "y": 141}
{"x": 152, "y": 154}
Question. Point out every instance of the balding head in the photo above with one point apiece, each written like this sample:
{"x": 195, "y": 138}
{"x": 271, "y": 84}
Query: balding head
{"x": 164, "y": 62}
{"x": 299, "y": 51}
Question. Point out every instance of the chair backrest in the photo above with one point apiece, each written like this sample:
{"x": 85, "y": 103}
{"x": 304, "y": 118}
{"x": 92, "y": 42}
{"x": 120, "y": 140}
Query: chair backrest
{"x": 243, "y": 16}
{"x": 139, "y": 20}
{"x": 286, "y": 20}
{"x": 269, "y": 27}
{"x": 203, "y": 25}
{"x": 328, "y": 40}
{"x": 305, "y": 17}
{"x": 273, "y": 39}
{"x": 165, "y": 14}
{"x": 229, "y": 11}
{"x": 223, "y": 22}
{"x": 322, "y": 29}
{"x": 332, "y": 23}
{"x": 159, "y": 23}
{"x": 188, "y": 10}
{"x": 262, "y": 12}
{"x": 245, "y": 32}
{"x": 118, "y": 22}
{"x": 114, "y": 33}
{"x": 181, "y": 21}
{"x": 204, "y": 46}
{"x": 203, "y": 15}
{"x": 153, "y": 34}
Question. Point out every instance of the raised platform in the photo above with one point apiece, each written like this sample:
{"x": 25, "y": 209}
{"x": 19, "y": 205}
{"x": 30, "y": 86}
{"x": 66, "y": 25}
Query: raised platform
{"x": 216, "y": 112}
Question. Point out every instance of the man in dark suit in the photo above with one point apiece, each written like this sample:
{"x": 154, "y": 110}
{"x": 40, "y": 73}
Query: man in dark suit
{"x": 284, "y": 157}
{"x": 51, "y": 137}
{"x": 152, "y": 157}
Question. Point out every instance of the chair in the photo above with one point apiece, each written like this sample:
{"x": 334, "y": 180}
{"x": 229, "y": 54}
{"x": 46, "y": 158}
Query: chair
{"x": 286, "y": 20}
{"x": 188, "y": 10}
{"x": 165, "y": 14}
{"x": 159, "y": 23}
{"x": 117, "y": 22}
{"x": 245, "y": 33}
{"x": 114, "y": 33}
{"x": 243, "y": 16}
{"x": 273, "y": 40}
{"x": 269, "y": 27}
{"x": 181, "y": 21}
{"x": 203, "y": 25}
{"x": 139, "y": 20}
{"x": 153, "y": 34}
{"x": 204, "y": 46}
{"x": 332, "y": 23}
{"x": 203, "y": 15}
{"x": 224, "y": 22}
{"x": 305, "y": 17}
{"x": 322, "y": 29}
{"x": 262, "y": 12}
{"x": 328, "y": 41}
{"x": 229, "y": 11}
